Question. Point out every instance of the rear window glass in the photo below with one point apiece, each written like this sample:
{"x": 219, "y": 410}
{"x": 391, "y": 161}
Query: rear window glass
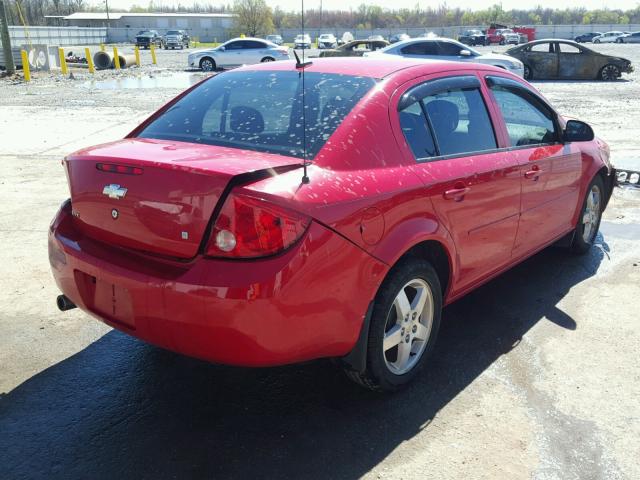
{"x": 262, "y": 111}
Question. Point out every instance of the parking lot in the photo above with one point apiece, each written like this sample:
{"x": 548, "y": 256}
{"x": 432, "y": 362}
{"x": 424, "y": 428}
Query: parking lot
{"x": 536, "y": 374}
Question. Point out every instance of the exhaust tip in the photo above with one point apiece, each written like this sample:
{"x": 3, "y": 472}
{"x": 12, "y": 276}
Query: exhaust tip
{"x": 64, "y": 303}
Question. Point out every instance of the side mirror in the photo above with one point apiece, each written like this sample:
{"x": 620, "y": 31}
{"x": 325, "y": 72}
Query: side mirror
{"x": 577, "y": 131}
{"x": 221, "y": 48}
{"x": 465, "y": 53}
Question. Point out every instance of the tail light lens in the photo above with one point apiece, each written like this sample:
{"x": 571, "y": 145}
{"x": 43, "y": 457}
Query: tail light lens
{"x": 248, "y": 227}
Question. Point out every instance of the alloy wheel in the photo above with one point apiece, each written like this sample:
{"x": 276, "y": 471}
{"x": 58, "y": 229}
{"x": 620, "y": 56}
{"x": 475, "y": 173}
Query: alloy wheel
{"x": 408, "y": 326}
{"x": 591, "y": 214}
{"x": 610, "y": 72}
{"x": 206, "y": 65}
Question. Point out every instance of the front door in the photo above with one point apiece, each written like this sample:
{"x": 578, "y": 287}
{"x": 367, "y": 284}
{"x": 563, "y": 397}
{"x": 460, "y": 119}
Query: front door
{"x": 473, "y": 187}
{"x": 550, "y": 170}
{"x": 573, "y": 63}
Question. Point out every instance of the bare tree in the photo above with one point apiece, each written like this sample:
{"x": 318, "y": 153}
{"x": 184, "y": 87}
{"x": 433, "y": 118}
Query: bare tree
{"x": 253, "y": 17}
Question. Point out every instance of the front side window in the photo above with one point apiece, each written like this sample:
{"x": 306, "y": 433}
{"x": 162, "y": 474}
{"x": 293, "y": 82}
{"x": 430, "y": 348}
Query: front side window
{"x": 262, "y": 111}
{"x": 451, "y": 122}
{"x": 543, "y": 48}
{"x": 449, "y": 49}
{"x": 421, "y": 48}
{"x": 528, "y": 120}
{"x": 237, "y": 45}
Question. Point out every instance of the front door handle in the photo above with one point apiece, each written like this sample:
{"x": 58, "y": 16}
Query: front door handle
{"x": 457, "y": 194}
{"x": 533, "y": 174}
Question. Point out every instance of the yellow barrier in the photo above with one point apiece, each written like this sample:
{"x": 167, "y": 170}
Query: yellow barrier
{"x": 63, "y": 61}
{"x": 153, "y": 54}
{"x": 25, "y": 65}
{"x": 87, "y": 53}
{"x": 137, "y": 51}
{"x": 116, "y": 58}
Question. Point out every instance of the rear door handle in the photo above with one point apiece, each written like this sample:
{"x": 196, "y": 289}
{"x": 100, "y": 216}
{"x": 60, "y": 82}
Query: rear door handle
{"x": 456, "y": 194}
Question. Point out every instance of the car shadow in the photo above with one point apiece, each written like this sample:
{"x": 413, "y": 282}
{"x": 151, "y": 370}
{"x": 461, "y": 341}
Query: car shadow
{"x": 121, "y": 409}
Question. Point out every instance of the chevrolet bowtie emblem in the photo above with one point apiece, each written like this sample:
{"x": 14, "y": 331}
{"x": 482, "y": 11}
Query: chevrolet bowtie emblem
{"x": 114, "y": 191}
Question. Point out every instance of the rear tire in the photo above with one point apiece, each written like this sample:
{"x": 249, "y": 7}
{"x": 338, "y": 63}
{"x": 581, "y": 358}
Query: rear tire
{"x": 589, "y": 218}
{"x": 404, "y": 326}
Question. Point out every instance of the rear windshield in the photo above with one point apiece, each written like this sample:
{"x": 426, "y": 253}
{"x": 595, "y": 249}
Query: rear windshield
{"x": 262, "y": 110}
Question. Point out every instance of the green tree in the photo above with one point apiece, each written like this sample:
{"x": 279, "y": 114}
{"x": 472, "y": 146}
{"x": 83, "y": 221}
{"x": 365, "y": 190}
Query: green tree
{"x": 253, "y": 18}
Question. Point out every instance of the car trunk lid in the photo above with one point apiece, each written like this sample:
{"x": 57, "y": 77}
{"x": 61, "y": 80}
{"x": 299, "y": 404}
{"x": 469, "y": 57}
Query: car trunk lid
{"x": 156, "y": 196}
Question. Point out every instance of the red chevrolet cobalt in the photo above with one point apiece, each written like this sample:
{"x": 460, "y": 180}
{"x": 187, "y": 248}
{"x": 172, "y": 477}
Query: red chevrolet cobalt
{"x": 281, "y": 213}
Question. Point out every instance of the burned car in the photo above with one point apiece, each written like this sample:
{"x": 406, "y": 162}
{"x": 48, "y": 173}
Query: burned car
{"x": 568, "y": 60}
{"x": 356, "y": 48}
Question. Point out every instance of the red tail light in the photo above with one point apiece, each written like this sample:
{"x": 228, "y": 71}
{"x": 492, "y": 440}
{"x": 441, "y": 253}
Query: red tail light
{"x": 249, "y": 227}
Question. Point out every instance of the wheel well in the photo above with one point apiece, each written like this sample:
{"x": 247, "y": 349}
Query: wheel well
{"x": 437, "y": 255}
{"x": 608, "y": 182}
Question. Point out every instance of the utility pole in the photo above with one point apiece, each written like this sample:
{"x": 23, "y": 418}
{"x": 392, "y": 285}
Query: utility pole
{"x": 6, "y": 40}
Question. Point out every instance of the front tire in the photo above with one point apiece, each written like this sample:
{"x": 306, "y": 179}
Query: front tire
{"x": 596, "y": 41}
{"x": 586, "y": 230}
{"x": 609, "y": 73}
{"x": 207, "y": 64}
{"x": 528, "y": 73}
{"x": 267, "y": 59}
{"x": 404, "y": 326}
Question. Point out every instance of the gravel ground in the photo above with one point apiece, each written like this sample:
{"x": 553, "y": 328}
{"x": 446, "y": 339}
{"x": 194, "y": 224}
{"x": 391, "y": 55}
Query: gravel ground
{"x": 536, "y": 375}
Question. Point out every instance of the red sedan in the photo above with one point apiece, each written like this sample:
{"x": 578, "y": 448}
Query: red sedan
{"x": 203, "y": 233}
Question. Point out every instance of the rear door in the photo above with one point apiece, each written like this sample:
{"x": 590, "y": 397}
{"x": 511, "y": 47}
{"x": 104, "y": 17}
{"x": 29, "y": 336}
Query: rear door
{"x": 543, "y": 60}
{"x": 550, "y": 170}
{"x": 445, "y": 128}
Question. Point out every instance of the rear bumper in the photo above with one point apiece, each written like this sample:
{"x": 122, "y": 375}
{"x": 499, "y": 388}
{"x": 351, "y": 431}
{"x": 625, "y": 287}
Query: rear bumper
{"x": 308, "y": 303}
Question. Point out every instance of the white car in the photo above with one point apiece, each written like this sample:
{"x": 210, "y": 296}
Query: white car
{"x": 235, "y": 52}
{"x": 302, "y": 41}
{"x": 609, "y": 37}
{"x": 346, "y": 38}
{"x": 448, "y": 49}
{"x": 327, "y": 40}
{"x": 509, "y": 36}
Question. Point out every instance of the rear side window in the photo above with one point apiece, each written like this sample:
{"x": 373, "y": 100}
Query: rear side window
{"x": 416, "y": 131}
{"x": 452, "y": 122}
{"x": 528, "y": 120}
{"x": 262, "y": 111}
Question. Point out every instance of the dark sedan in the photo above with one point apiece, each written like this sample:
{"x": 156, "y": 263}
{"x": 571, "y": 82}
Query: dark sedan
{"x": 473, "y": 37}
{"x": 587, "y": 37}
{"x": 564, "y": 59}
{"x": 357, "y": 48}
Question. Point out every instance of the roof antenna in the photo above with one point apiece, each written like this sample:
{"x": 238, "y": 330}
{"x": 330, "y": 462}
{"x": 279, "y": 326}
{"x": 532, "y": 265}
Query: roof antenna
{"x": 301, "y": 66}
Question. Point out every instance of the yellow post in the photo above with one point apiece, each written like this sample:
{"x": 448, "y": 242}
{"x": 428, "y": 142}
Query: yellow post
{"x": 242, "y": 35}
{"x": 116, "y": 58}
{"x": 87, "y": 53}
{"x": 137, "y": 50}
{"x": 153, "y": 54}
{"x": 63, "y": 61}
{"x": 102, "y": 47}
{"x": 25, "y": 65}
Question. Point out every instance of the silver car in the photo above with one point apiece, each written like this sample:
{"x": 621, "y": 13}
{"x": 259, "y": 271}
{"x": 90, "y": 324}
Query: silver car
{"x": 630, "y": 38}
{"x": 609, "y": 37}
{"x": 236, "y": 52}
{"x": 448, "y": 49}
